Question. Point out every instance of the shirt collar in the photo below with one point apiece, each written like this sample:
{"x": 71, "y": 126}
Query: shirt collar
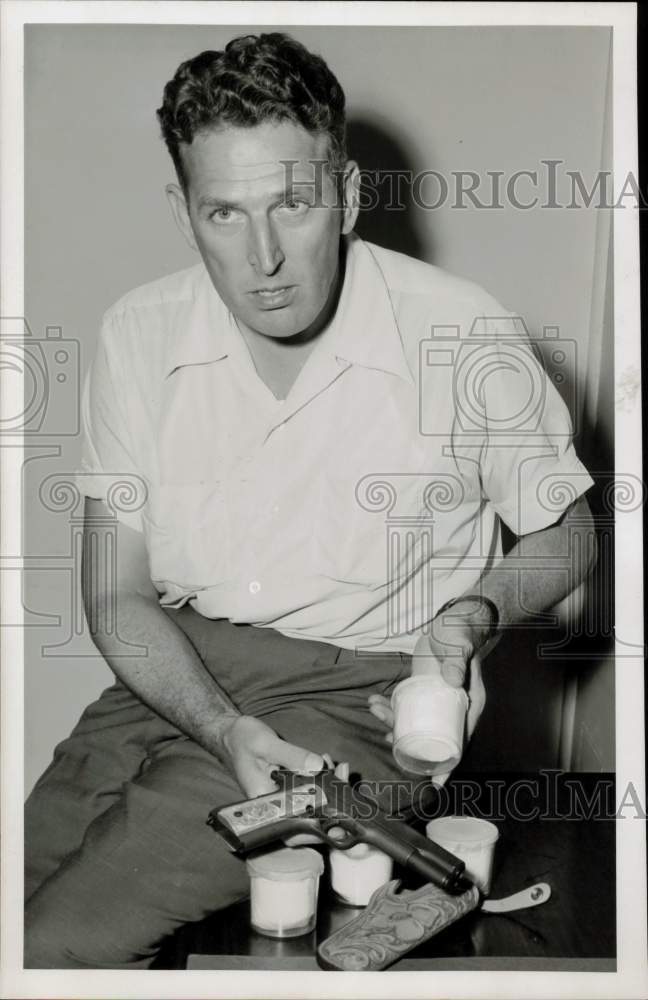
{"x": 200, "y": 333}
{"x": 364, "y": 330}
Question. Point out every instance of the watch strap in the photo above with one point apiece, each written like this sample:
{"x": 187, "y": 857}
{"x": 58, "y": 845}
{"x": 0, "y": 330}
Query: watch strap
{"x": 476, "y": 599}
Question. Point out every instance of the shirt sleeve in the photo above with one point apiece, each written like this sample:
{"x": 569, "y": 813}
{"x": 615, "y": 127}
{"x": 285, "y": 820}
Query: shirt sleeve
{"x": 108, "y": 470}
{"x": 530, "y": 472}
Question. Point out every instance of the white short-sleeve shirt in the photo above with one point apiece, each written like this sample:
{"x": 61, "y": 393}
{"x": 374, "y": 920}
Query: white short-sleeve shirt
{"x": 352, "y": 510}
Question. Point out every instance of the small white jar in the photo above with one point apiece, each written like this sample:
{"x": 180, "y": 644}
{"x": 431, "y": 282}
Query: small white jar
{"x": 472, "y": 840}
{"x": 284, "y": 887}
{"x": 429, "y": 724}
{"x": 358, "y": 872}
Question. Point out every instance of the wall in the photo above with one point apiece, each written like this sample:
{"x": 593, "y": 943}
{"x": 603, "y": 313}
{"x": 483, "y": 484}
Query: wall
{"x": 487, "y": 99}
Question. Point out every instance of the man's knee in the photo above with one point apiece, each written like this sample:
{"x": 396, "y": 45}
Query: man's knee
{"x": 48, "y": 941}
{"x": 55, "y": 938}
{"x": 46, "y": 948}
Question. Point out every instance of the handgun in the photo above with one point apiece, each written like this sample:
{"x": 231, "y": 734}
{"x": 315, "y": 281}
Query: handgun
{"x": 339, "y": 815}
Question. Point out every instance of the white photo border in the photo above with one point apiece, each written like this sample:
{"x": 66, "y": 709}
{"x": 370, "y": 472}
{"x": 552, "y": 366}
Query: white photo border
{"x": 631, "y": 978}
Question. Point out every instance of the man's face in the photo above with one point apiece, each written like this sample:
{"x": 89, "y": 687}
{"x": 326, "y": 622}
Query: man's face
{"x": 269, "y": 234}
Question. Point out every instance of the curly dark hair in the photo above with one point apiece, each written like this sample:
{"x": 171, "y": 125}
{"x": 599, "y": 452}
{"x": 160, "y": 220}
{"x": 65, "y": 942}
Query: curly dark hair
{"x": 256, "y": 78}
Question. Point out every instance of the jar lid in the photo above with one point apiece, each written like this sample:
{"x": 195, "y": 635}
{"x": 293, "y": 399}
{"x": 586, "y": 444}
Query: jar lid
{"x": 287, "y": 864}
{"x": 462, "y": 830}
{"x": 359, "y": 852}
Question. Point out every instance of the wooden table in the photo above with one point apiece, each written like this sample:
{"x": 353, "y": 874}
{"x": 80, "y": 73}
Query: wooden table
{"x": 569, "y": 842}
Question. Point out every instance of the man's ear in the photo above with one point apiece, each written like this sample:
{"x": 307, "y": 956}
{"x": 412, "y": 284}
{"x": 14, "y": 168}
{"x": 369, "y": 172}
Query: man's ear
{"x": 180, "y": 212}
{"x": 351, "y": 193}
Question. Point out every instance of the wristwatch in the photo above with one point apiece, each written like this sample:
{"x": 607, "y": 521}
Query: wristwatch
{"x": 479, "y": 602}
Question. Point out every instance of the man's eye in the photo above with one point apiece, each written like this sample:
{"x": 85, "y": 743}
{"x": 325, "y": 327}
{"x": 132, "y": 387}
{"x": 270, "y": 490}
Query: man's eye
{"x": 294, "y": 206}
{"x": 221, "y": 214}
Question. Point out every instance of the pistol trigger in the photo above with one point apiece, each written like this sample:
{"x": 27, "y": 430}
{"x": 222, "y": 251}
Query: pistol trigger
{"x": 344, "y": 842}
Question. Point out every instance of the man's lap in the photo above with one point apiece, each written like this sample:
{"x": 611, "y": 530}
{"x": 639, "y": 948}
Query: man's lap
{"x": 141, "y": 793}
{"x": 147, "y": 864}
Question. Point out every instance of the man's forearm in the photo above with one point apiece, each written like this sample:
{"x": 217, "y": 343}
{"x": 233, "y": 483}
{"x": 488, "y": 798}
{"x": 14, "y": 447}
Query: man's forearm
{"x": 542, "y": 568}
{"x": 170, "y": 678}
{"x": 536, "y": 574}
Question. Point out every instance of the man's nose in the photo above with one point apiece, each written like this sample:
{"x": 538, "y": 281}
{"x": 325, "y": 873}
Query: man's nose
{"x": 264, "y": 250}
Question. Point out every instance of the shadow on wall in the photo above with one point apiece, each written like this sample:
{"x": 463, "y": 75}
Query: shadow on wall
{"x": 521, "y": 727}
{"x": 528, "y": 675}
{"x": 382, "y": 158}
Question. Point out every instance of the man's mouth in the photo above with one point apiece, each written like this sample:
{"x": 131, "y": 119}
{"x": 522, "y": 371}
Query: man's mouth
{"x": 274, "y": 296}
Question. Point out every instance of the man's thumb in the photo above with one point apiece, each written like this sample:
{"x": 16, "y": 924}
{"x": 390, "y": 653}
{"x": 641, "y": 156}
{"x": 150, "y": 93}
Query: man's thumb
{"x": 296, "y": 758}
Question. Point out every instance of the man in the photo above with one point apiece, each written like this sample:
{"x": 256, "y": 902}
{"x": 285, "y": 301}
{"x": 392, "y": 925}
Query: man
{"x": 271, "y": 399}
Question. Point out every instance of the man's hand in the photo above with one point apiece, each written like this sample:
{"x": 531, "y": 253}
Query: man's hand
{"x": 255, "y": 750}
{"x": 538, "y": 572}
{"x": 451, "y": 654}
{"x": 381, "y": 706}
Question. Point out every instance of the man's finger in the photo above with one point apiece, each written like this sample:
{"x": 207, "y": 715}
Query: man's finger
{"x": 253, "y": 776}
{"x": 342, "y": 771}
{"x": 383, "y": 713}
{"x": 477, "y": 694}
{"x": 301, "y": 839}
{"x": 454, "y": 672}
{"x": 295, "y": 758}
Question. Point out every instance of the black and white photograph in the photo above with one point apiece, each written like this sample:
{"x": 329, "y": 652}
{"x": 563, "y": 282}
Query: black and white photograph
{"x": 322, "y": 501}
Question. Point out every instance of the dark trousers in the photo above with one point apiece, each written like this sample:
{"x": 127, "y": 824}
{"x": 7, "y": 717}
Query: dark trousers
{"x": 118, "y": 853}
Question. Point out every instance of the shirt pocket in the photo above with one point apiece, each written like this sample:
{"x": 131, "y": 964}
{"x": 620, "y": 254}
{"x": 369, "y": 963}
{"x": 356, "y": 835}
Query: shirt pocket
{"x": 185, "y": 527}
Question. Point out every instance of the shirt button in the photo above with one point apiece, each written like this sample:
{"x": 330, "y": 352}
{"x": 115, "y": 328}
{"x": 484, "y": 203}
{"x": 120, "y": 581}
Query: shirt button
{"x": 275, "y": 509}
{"x": 254, "y": 587}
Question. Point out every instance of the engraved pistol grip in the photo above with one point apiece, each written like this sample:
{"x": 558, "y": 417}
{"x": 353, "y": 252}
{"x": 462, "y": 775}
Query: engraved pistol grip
{"x": 261, "y": 820}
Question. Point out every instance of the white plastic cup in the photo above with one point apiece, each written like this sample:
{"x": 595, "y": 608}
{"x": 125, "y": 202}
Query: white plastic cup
{"x": 358, "y": 872}
{"x": 470, "y": 839}
{"x": 429, "y": 724}
{"x": 284, "y": 887}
